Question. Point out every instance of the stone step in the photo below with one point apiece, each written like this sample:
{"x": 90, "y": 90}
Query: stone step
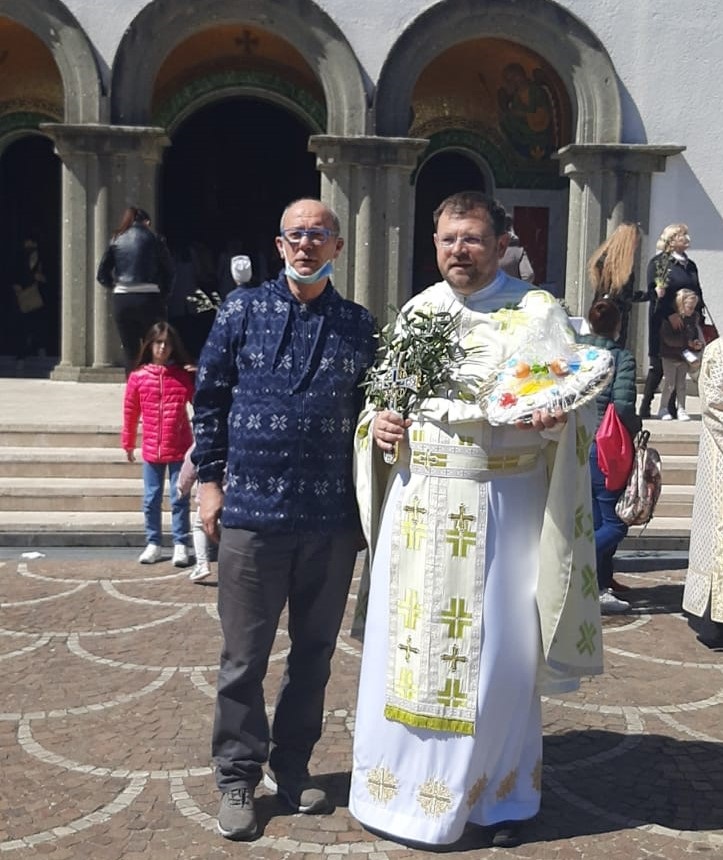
{"x": 660, "y": 534}
{"x": 71, "y": 494}
{"x": 675, "y": 501}
{"x": 93, "y": 463}
{"x": 679, "y": 471}
{"x": 34, "y": 436}
{"x": 76, "y": 528}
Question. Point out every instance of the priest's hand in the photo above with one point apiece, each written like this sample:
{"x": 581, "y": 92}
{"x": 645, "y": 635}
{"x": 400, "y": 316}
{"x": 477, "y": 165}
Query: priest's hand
{"x": 389, "y": 428}
{"x": 542, "y": 419}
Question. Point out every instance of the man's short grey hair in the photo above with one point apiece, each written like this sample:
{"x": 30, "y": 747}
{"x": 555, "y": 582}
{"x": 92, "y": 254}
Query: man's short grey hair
{"x": 335, "y": 224}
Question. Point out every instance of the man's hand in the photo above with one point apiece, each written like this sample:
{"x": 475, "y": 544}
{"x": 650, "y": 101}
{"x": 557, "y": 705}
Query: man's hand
{"x": 542, "y": 419}
{"x": 210, "y": 504}
{"x": 389, "y": 428}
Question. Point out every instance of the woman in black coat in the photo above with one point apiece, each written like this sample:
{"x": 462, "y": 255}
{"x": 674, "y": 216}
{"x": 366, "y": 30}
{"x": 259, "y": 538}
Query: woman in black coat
{"x": 138, "y": 267}
{"x": 669, "y": 271}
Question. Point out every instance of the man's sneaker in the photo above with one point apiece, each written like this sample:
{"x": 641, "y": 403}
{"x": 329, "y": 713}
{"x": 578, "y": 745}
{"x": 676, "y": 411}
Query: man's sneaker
{"x": 683, "y": 415}
{"x": 151, "y": 554}
{"x": 611, "y": 605}
{"x": 180, "y": 555}
{"x": 237, "y": 816}
{"x": 664, "y": 415}
{"x": 200, "y": 571}
{"x": 298, "y": 791}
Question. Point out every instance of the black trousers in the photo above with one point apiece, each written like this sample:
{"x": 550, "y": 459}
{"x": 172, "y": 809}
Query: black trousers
{"x": 134, "y": 314}
{"x": 257, "y": 575}
{"x": 652, "y": 381}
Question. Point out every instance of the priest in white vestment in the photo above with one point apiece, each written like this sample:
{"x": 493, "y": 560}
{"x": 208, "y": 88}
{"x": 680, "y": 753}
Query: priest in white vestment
{"x": 483, "y": 588}
{"x": 703, "y": 593}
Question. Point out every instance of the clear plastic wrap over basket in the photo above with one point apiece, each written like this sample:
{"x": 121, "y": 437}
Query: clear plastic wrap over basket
{"x": 548, "y": 371}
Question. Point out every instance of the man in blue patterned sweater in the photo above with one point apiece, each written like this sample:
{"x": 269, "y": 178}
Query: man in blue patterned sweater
{"x": 276, "y": 406}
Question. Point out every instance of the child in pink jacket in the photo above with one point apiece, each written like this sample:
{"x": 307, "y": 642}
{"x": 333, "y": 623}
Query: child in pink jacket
{"x": 158, "y": 393}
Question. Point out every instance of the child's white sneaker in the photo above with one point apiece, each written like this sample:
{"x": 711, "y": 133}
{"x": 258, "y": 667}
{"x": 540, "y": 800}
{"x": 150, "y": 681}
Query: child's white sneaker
{"x": 683, "y": 415}
{"x": 200, "y": 571}
{"x": 664, "y": 415}
{"x": 151, "y": 554}
{"x": 180, "y": 555}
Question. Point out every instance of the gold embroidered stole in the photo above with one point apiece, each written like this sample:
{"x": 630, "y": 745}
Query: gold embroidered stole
{"x": 437, "y": 570}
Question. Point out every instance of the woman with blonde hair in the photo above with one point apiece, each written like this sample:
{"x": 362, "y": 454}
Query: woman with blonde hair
{"x": 669, "y": 271}
{"x": 611, "y": 272}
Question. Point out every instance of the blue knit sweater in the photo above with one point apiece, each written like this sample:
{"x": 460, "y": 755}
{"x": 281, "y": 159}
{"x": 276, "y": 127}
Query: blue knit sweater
{"x": 276, "y": 405}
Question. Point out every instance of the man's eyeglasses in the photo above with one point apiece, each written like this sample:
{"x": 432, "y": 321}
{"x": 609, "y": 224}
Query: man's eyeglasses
{"x": 316, "y": 235}
{"x": 448, "y": 242}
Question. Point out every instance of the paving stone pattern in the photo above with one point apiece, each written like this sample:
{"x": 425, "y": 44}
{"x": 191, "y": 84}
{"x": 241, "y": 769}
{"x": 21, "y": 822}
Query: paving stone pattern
{"x": 106, "y": 704}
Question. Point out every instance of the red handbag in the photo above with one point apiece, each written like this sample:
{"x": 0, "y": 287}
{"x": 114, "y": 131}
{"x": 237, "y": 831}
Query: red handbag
{"x": 710, "y": 332}
{"x": 615, "y": 450}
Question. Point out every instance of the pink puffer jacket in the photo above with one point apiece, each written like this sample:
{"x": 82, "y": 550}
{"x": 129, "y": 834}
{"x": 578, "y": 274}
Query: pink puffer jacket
{"x": 158, "y": 395}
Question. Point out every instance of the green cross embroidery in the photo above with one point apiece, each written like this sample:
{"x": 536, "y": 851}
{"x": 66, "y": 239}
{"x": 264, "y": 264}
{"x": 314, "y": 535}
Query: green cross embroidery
{"x": 460, "y": 537}
{"x": 410, "y": 608}
{"x": 408, "y": 649}
{"x": 589, "y": 582}
{"x": 583, "y": 441}
{"x": 406, "y": 688}
{"x": 451, "y": 695}
{"x": 583, "y": 523}
{"x": 412, "y": 528}
{"x": 456, "y": 617}
{"x": 587, "y": 638}
{"x": 465, "y": 440}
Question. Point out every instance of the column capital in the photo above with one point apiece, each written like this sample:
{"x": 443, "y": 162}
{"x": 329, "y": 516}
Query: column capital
{"x": 367, "y": 151}
{"x": 588, "y": 158}
{"x": 146, "y": 142}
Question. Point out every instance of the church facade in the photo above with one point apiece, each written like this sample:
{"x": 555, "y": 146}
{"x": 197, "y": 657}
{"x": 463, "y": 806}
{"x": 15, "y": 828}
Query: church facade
{"x": 213, "y": 115}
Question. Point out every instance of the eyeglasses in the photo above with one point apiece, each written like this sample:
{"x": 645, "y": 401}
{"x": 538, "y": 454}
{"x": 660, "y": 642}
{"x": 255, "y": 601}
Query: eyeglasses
{"x": 448, "y": 242}
{"x": 316, "y": 235}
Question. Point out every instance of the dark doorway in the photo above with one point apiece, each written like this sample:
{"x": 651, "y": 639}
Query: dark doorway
{"x": 443, "y": 174}
{"x": 29, "y": 209}
{"x": 230, "y": 170}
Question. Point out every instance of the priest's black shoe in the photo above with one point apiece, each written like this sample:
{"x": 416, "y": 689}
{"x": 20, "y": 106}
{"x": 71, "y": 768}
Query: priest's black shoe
{"x": 507, "y": 834}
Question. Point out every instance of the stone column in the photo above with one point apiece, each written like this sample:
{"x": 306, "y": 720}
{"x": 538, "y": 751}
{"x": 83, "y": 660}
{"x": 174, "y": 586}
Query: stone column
{"x": 367, "y": 181}
{"x": 609, "y": 183}
{"x": 105, "y": 168}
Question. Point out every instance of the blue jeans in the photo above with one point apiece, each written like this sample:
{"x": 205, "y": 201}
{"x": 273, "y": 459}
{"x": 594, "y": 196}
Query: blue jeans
{"x": 609, "y": 528}
{"x": 153, "y": 479}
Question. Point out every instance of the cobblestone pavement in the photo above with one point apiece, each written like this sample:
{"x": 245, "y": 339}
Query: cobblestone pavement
{"x": 106, "y": 701}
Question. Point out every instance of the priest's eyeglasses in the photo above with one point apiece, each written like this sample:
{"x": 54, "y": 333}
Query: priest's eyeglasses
{"x": 448, "y": 242}
{"x": 316, "y": 235}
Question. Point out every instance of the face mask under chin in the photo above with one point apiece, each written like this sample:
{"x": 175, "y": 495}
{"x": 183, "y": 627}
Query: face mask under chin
{"x": 324, "y": 272}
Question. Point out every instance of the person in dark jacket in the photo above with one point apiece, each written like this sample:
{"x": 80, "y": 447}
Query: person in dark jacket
{"x": 611, "y": 270}
{"x": 137, "y": 266}
{"x": 669, "y": 271}
{"x": 276, "y": 406}
{"x": 605, "y": 321}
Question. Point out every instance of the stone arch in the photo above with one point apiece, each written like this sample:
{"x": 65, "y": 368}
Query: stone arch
{"x": 162, "y": 25}
{"x": 555, "y": 34}
{"x": 51, "y": 22}
{"x": 225, "y": 85}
